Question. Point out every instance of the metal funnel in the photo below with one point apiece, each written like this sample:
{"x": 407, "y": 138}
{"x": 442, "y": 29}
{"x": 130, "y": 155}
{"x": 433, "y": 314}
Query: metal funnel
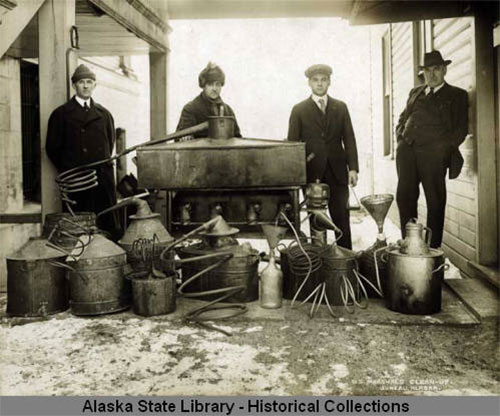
{"x": 273, "y": 234}
{"x": 378, "y": 205}
{"x": 218, "y": 227}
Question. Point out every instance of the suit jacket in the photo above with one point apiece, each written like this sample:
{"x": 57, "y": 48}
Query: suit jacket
{"x": 329, "y": 138}
{"x": 198, "y": 110}
{"x": 453, "y": 111}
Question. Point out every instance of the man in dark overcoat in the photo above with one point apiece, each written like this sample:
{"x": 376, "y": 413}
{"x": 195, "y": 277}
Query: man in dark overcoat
{"x": 324, "y": 124}
{"x": 429, "y": 132}
{"x": 80, "y": 132}
{"x": 208, "y": 103}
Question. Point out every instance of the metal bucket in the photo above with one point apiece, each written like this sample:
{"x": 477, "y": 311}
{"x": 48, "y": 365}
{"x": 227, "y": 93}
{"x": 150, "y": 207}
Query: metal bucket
{"x": 331, "y": 272}
{"x": 152, "y": 297}
{"x": 34, "y": 286}
{"x": 81, "y": 219}
{"x": 238, "y": 270}
{"x": 414, "y": 283}
{"x": 97, "y": 284}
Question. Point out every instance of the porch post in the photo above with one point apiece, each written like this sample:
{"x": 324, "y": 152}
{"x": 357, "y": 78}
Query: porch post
{"x": 487, "y": 219}
{"x": 55, "y": 19}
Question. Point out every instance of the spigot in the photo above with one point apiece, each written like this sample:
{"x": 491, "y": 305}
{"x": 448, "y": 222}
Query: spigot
{"x": 216, "y": 210}
{"x": 284, "y": 209}
{"x": 253, "y": 213}
{"x": 185, "y": 214}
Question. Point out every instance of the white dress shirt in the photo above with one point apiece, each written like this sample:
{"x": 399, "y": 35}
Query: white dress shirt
{"x": 436, "y": 89}
{"x": 316, "y": 99}
{"x": 82, "y": 102}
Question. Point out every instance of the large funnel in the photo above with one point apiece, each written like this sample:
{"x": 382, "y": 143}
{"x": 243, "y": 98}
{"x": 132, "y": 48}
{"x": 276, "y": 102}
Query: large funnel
{"x": 273, "y": 234}
{"x": 321, "y": 221}
{"x": 378, "y": 205}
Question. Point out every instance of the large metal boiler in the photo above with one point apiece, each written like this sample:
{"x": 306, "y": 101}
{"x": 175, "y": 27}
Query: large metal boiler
{"x": 248, "y": 181}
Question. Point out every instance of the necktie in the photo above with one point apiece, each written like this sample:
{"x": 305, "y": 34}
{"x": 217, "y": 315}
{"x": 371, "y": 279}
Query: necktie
{"x": 85, "y": 106}
{"x": 431, "y": 92}
{"x": 322, "y": 105}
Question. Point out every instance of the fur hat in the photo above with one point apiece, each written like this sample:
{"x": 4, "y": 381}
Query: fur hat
{"x": 318, "y": 69}
{"x": 82, "y": 72}
{"x": 211, "y": 73}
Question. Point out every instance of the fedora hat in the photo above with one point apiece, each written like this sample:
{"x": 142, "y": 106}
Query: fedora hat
{"x": 433, "y": 58}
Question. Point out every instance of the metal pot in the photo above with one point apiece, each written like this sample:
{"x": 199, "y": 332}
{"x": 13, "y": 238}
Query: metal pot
{"x": 414, "y": 282}
{"x": 220, "y": 127}
{"x": 152, "y": 297}
{"x": 35, "y": 285}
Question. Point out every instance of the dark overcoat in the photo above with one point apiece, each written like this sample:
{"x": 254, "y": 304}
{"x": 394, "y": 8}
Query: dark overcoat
{"x": 76, "y": 137}
{"x": 453, "y": 111}
{"x": 329, "y": 138}
{"x": 198, "y": 110}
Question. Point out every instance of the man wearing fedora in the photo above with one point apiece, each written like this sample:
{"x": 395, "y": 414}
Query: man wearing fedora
{"x": 208, "y": 103}
{"x": 429, "y": 132}
{"x": 324, "y": 124}
{"x": 80, "y": 132}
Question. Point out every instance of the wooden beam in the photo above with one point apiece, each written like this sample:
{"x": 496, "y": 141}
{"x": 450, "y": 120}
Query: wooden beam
{"x": 14, "y": 21}
{"x": 487, "y": 215}
{"x": 158, "y": 67}
{"x": 55, "y": 19}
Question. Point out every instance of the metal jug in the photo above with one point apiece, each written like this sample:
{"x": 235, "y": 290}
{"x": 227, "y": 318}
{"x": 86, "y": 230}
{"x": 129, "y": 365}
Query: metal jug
{"x": 271, "y": 285}
{"x": 414, "y": 243}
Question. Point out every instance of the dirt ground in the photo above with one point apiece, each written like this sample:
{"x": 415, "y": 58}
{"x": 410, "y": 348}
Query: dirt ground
{"x": 124, "y": 354}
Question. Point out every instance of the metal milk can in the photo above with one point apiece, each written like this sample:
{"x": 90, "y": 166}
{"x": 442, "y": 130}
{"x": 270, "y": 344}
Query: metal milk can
{"x": 271, "y": 285}
{"x": 415, "y": 274}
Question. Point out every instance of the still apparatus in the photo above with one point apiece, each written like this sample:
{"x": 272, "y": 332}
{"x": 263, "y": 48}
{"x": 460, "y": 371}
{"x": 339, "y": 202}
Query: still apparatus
{"x": 248, "y": 181}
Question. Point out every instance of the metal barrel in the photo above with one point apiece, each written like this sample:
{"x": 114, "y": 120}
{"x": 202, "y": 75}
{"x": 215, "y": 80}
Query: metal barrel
{"x": 239, "y": 270}
{"x": 82, "y": 219}
{"x": 34, "y": 286}
{"x": 98, "y": 286}
{"x": 414, "y": 283}
{"x": 152, "y": 297}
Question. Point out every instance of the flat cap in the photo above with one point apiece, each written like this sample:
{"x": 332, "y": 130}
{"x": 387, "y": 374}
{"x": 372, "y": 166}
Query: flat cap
{"x": 318, "y": 69}
{"x": 82, "y": 72}
{"x": 211, "y": 73}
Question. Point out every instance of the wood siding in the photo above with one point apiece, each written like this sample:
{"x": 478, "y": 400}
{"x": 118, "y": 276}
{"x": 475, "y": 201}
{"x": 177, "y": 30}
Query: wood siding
{"x": 454, "y": 38}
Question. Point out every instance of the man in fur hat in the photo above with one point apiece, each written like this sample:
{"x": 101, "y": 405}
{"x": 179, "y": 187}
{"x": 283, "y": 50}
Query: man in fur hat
{"x": 430, "y": 129}
{"x": 80, "y": 132}
{"x": 208, "y": 103}
{"x": 324, "y": 124}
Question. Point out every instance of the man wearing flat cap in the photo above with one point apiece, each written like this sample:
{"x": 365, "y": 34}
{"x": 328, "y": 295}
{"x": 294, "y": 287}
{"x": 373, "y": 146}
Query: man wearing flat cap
{"x": 80, "y": 132}
{"x": 429, "y": 132}
{"x": 208, "y": 103}
{"x": 324, "y": 124}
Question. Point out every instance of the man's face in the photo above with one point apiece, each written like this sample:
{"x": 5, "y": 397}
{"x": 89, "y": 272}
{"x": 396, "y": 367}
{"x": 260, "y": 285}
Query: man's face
{"x": 84, "y": 88}
{"x": 319, "y": 84}
{"x": 434, "y": 75}
{"x": 212, "y": 89}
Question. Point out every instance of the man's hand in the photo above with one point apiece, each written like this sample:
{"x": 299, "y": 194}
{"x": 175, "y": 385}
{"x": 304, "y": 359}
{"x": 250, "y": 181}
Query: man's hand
{"x": 353, "y": 178}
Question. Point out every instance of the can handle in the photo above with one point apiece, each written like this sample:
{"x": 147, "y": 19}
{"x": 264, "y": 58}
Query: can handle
{"x": 56, "y": 263}
{"x": 443, "y": 266}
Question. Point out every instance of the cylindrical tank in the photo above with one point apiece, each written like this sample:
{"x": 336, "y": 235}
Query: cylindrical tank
{"x": 220, "y": 127}
{"x": 414, "y": 282}
{"x": 152, "y": 296}
{"x": 241, "y": 269}
{"x": 85, "y": 220}
{"x": 34, "y": 286}
{"x": 97, "y": 284}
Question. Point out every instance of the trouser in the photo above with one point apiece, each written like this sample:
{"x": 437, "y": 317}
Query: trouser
{"x": 426, "y": 165}
{"x": 338, "y": 205}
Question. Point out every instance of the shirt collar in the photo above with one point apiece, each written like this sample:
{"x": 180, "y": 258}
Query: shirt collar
{"x": 81, "y": 101}
{"x": 436, "y": 89}
{"x": 316, "y": 98}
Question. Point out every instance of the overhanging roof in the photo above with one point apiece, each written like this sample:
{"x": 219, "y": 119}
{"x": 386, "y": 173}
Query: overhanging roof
{"x": 356, "y": 11}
